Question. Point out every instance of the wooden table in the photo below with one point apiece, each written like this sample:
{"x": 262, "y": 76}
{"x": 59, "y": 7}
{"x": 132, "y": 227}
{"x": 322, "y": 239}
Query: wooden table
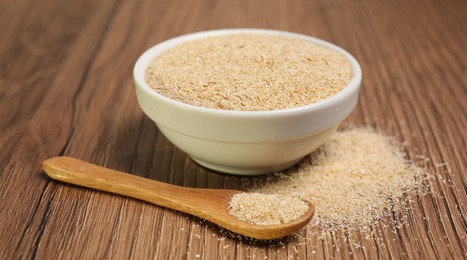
{"x": 66, "y": 88}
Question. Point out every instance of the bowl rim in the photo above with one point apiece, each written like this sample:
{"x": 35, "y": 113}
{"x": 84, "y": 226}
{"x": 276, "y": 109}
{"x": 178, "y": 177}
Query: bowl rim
{"x": 146, "y": 58}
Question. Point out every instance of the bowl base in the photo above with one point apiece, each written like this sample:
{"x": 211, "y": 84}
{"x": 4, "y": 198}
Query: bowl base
{"x": 247, "y": 171}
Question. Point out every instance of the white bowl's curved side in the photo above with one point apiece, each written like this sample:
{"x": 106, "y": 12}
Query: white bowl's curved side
{"x": 247, "y": 158}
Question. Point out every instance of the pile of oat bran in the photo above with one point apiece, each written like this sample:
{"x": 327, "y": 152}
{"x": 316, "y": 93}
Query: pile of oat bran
{"x": 249, "y": 72}
{"x": 357, "y": 178}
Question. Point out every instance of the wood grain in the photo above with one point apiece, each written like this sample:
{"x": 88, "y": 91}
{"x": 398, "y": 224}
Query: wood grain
{"x": 66, "y": 88}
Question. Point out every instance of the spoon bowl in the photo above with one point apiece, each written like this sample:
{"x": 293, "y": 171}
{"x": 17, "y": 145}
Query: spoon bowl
{"x": 209, "y": 204}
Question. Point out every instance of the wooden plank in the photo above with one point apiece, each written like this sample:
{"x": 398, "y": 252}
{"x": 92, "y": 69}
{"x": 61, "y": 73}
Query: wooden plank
{"x": 39, "y": 83}
{"x": 66, "y": 88}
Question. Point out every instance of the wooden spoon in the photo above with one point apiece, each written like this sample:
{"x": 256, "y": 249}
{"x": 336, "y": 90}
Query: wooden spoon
{"x": 209, "y": 204}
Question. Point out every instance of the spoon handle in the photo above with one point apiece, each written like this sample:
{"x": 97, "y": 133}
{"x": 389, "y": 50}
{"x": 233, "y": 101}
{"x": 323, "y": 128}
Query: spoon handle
{"x": 74, "y": 171}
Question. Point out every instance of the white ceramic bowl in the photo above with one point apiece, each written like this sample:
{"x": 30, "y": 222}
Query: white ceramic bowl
{"x": 245, "y": 142}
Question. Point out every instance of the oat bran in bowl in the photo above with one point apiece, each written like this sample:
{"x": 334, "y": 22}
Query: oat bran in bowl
{"x": 247, "y": 101}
